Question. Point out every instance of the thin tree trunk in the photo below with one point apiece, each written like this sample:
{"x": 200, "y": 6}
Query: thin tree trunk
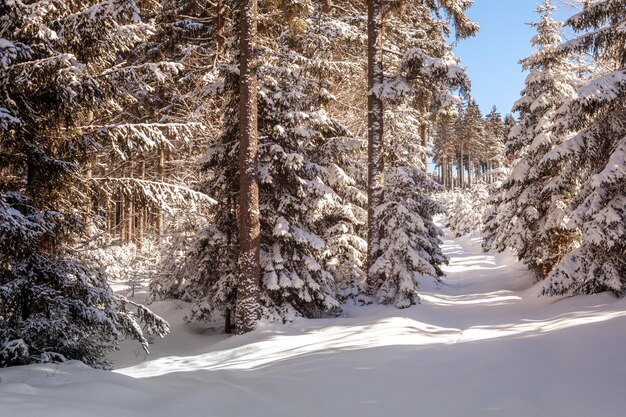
{"x": 141, "y": 227}
{"x": 424, "y": 136}
{"x": 469, "y": 170}
{"x": 228, "y": 322}
{"x": 131, "y": 214}
{"x": 450, "y": 176}
{"x": 462, "y": 167}
{"x": 375, "y": 159}
{"x": 247, "y": 309}
{"x": 158, "y": 212}
{"x": 123, "y": 214}
{"x": 88, "y": 210}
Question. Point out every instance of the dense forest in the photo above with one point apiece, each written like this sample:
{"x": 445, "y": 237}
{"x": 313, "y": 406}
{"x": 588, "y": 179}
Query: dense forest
{"x": 268, "y": 161}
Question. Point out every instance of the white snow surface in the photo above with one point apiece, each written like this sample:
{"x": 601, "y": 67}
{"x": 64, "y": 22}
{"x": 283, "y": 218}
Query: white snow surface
{"x": 481, "y": 344}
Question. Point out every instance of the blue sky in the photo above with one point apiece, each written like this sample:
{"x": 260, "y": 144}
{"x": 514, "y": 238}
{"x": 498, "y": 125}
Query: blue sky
{"x": 492, "y": 56}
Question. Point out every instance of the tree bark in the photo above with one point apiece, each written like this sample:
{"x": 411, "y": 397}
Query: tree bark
{"x": 375, "y": 159}
{"x": 424, "y": 137}
{"x": 130, "y": 228}
{"x": 141, "y": 227}
{"x": 247, "y": 307}
{"x": 123, "y": 214}
{"x": 158, "y": 211}
{"x": 462, "y": 169}
{"x": 469, "y": 170}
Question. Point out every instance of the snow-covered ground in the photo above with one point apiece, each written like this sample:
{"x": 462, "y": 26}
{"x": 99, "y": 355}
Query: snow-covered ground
{"x": 482, "y": 344}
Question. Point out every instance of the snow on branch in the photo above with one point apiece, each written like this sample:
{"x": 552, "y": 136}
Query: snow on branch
{"x": 137, "y": 81}
{"x": 161, "y": 194}
{"x": 128, "y": 139}
{"x": 11, "y": 52}
{"x": 6, "y": 118}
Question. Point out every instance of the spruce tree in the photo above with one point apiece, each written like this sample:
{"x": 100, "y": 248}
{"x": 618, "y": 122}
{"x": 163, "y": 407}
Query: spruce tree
{"x": 590, "y": 164}
{"x": 58, "y": 71}
{"x": 533, "y": 219}
{"x": 423, "y": 72}
{"x": 310, "y": 202}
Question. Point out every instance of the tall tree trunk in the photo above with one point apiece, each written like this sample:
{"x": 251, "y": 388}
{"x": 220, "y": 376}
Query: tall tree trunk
{"x": 462, "y": 168}
{"x": 130, "y": 228}
{"x": 424, "y": 136}
{"x": 158, "y": 211}
{"x": 247, "y": 308}
{"x": 469, "y": 170}
{"x": 375, "y": 158}
{"x": 141, "y": 227}
{"x": 123, "y": 214}
{"x": 450, "y": 176}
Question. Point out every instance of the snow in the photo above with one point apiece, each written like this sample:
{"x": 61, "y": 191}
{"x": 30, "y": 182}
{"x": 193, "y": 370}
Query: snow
{"x": 482, "y": 343}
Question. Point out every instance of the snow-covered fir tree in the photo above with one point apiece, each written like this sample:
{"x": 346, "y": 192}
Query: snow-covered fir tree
{"x": 58, "y": 67}
{"x": 466, "y": 209}
{"x": 590, "y": 163}
{"x": 311, "y": 212}
{"x": 423, "y": 72}
{"x": 410, "y": 252}
{"x": 493, "y": 147}
{"x": 444, "y": 139}
{"x": 473, "y": 144}
{"x": 531, "y": 219}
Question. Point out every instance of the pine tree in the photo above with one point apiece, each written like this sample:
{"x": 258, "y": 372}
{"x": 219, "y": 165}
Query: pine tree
{"x": 493, "y": 156}
{"x": 146, "y": 165}
{"x": 533, "y": 218}
{"x": 444, "y": 146}
{"x": 410, "y": 252}
{"x": 472, "y": 132}
{"x": 423, "y": 74}
{"x": 58, "y": 70}
{"x": 590, "y": 163}
{"x": 310, "y": 203}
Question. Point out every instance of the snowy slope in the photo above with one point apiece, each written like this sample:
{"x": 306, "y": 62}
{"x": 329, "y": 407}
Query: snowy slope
{"x": 483, "y": 344}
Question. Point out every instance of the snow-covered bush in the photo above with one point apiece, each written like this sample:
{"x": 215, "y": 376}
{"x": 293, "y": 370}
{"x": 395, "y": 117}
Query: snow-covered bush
{"x": 466, "y": 209}
{"x": 126, "y": 263}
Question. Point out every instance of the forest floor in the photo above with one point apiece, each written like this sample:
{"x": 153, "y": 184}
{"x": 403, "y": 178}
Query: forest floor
{"x": 482, "y": 343}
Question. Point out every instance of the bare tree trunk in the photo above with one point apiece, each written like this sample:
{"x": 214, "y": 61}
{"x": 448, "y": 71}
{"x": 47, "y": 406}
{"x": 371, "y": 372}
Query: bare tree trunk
{"x": 158, "y": 211}
{"x": 228, "y": 321}
{"x": 375, "y": 158}
{"x": 469, "y": 170}
{"x": 88, "y": 210}
{"x": 123, "y": 214}
{"x": 424, "y": 136}
{"x": 444, "y": 172}
{"x": 462, "y": 168}
{"x": 450, "y": 176}
{"x": 131, "y": 214}
{"x": 110, "y": 212}
{"x": 141, "y": 227}
{"x": 247, "y": 309}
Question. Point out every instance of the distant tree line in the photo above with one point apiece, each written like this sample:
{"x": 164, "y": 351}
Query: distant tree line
{"x": 470, "y": 147}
